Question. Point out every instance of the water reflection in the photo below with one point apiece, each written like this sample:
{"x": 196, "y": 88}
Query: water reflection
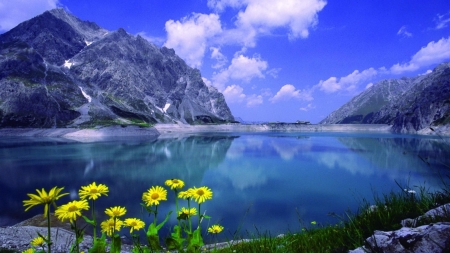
{"x": 271, "y": 181}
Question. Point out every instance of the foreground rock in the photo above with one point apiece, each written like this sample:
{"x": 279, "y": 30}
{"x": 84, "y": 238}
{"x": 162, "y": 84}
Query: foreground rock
{"x": 434, "y": 237}
{"x": 427, "y": 238}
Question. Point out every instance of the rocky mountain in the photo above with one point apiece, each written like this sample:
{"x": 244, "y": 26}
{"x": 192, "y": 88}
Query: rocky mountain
{"x": 59, "y": 71}
{"x": 408, "y": 104}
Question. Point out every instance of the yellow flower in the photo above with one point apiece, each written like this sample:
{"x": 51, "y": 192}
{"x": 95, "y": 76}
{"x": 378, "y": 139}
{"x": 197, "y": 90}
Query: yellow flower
{"x": 187, "y": 212}
{"x": 30, "y": 250}
{"x": 116, "y": 211}
{"x": 71, "y": 210}
{"x": 93, "y": 191}
{"x": 201, "y": 194}
{"x": 185, "y": 194}
{"x": 134, "y": 223}
{"x": 43, "y": 198}
{"x": 313, "y": 222}
{"x": 111, "y": 226}
{"x": 38, "y": 241}
{"x": 153, "y": 195}
{"x": 215, "y": 229}
{"x": 174, "y": 183}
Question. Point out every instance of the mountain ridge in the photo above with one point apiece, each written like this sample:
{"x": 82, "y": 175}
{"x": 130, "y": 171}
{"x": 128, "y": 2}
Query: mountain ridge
{"x": 59, "y": 71}
{"x": 408, "y": 104}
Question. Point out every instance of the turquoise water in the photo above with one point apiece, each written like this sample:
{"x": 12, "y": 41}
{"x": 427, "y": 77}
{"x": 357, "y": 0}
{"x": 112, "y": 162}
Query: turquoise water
{"x": 274, "y": 182}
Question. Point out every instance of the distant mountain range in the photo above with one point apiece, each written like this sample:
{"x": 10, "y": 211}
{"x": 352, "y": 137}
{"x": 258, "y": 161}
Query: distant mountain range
{"x": 408, "y": 104}
{"x": 59, "y": 71}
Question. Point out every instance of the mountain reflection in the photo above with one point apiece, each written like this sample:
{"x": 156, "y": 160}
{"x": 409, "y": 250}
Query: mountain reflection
{"x": 271, "y": 181}
{"x": 128, "y": 168}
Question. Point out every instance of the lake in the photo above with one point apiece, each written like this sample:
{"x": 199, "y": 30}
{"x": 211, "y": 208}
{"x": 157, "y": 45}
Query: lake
{"x": 261, "y": 182}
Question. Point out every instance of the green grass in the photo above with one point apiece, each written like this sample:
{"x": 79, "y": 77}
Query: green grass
{"x": 351, "y": 229}
{"x": 110, "y": 122}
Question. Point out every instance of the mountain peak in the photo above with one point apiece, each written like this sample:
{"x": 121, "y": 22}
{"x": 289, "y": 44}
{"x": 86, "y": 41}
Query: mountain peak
{"x": 60, "y": 71}
{"x": 409, "y": 104}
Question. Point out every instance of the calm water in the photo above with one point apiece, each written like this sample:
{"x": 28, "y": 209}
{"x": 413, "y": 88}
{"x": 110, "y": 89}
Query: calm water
{"x": 266, "y": 182}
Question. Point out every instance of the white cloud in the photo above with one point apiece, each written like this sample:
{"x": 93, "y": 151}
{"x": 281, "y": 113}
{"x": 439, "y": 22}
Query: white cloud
{"x": 348, "y": 82}
{"x": 288, "y": 92}
{"x": 404, "y": 32}
{"x": 274, "y": 72}
{"x": 433, "y": 53}
{"x": 234, "y": 94}
{"x": 155, "y": 40}
{"x": 254, "y": 100}
{"x": 192, "y": 35}
{"x": 369, "y": 85}
{"x": 242, "y": 68}
{"x": 261, "y": 17}
{"x": 220, "y": 5}
{"x": 442, "y": 21}
{"x": 307, "y": 108}
{"x": 221, "y": 59}
{"x": 13, "y": 12}
{"x": 189, "y": 37}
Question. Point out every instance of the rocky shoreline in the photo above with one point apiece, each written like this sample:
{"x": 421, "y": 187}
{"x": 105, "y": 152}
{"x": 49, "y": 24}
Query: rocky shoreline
{"x": 101, "y": 133}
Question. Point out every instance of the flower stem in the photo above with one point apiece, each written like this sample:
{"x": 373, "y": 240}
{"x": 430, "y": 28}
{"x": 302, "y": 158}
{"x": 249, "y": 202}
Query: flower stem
{"x": 95, "y": 222}
{"x": 49, "y": 240}
{"x": 189, "y": 217}
{"x": 156, "y": 213}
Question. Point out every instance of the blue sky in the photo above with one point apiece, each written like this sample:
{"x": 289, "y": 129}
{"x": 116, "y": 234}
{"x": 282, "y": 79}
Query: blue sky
{"x": 283, "y": 60}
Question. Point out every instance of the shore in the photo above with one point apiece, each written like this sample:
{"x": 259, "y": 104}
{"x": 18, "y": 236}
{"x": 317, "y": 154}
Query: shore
{"x": 102, "y": 133}
{"x": 271, "y": 127}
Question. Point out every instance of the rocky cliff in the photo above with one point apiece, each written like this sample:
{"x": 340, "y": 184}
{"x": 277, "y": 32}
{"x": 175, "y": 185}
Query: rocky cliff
{"x": 408, "y": 104}
{"x": 59, "y": 71}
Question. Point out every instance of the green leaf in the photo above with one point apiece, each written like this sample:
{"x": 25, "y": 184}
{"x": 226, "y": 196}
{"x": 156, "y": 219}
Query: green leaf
{"x": 195, "y": 241}
{"x": 99, "y": 245}
{"x": 153, "y": 237}
{"x": 164, "y": 222}
{"x": 176, "y": 241}
{"x": 92, "y": 222}
{"x": 116, "y": 244}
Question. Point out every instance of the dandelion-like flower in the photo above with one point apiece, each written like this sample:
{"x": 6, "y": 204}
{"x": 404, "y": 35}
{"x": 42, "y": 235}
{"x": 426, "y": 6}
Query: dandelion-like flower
{"x": 30, "y": 250}
{"x": 201, "y": 194}
{"x": 153, "y": 195}
{"x": 187, "y": 212}
{"x": 134, "y": 224}
{"x": 116, "y": 211}
{"x": 313, "y": 222}
{"x": 71, "y": 210}
{"x": 110, "y": 226}
{"x": 185, "y": 194}
{"x": 174, "y": 183}
{"x": 43, "y": 198}
{"x": 215, "y": 229}
{"x": 37, "y": 242}
{"x": 93, "y": 191}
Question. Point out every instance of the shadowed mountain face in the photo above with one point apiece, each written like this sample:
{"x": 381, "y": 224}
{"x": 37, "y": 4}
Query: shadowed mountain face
{"x": 408, "y": 104}
{"x": 58, "y": 71}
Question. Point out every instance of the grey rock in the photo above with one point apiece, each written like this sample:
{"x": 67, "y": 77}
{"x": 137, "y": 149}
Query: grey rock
{"x": 427, "y": 238}
{"x": 59, "y": 71}
{"x": 434, "y": 237}
{"x": 408, "y": 104}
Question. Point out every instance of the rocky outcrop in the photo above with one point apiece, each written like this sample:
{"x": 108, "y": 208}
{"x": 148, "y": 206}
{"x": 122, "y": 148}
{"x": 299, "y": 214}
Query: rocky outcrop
{"x": 59, "y": 71}
{"x": 434, "y": 237}
{"x": 408, "y": 104}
